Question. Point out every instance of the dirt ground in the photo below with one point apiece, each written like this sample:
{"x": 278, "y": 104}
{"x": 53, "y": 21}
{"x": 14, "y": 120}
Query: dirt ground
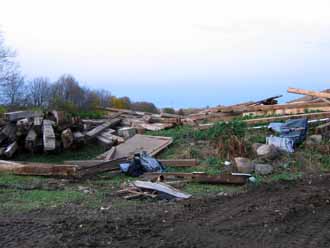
{"x": 282, "y": 214}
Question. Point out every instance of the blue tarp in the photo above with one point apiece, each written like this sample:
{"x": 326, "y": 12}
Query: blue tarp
{"x": 291, "y": 133}
{"x": 141, "y": 163}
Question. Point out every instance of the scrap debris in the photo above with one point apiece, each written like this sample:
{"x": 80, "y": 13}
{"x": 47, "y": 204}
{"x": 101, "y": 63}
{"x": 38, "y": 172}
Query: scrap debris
{"x": 121, "y": 133}
{"x": 161, "y": 190}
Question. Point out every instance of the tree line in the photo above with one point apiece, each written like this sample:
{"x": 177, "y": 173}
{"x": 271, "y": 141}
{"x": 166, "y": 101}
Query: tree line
{"x": 66, "y": 93}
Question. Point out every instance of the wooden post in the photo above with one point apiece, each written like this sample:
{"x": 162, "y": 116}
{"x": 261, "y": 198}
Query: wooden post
{"x": 48, "y": 136}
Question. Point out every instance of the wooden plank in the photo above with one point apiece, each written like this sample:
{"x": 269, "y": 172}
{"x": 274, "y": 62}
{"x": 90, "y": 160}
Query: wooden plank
{"x": 257, "y": 108}
{"x": 150, "y": 144}
{"x": 104, "y": 166}
{"x": 48, "y": 136}
{"x": 220, "y": 179}
{"x": 37, "y": 121}
{"x": 17, "y": 115}
{"x": 309, "y": 93}
{"x": 155, "y": 126}
{"x": 251, "y": 122}
{"x": 266, "y": 101}
{"x": 179, "y": 162}
{"x": 84, "y": 163}
{"x": 95, "y": 131}
{"x": 8, "y": 166}
{"x": 167, "y": 175}
{"x": 110, "y": 154}
{"x": 140, "y": 113}
{"x": 309, "y": 116}
{"x": 43, "y": 169}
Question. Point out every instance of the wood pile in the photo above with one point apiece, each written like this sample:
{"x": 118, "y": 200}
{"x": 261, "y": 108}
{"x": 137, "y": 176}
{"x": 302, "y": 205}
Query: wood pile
{"x": 53, "y": 131}
{"x": 315, "y": 105}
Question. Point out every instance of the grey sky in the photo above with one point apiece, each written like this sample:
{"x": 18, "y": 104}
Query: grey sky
{"x": 175, "y": 53}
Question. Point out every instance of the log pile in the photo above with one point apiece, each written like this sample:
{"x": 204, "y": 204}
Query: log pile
{"x": 315, "y": 105}
{"x": 56, "y": 131}
{"x": 37, "y": 132}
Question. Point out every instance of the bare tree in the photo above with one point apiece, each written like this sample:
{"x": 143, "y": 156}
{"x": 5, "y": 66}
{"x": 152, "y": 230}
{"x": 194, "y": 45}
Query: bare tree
{"x": 66, "y": 93}
{"x": 39, "y": 92}
{"x": 105, "y": 97}
{"x": 13, "y": 92}
{"x": 7, "y": 66}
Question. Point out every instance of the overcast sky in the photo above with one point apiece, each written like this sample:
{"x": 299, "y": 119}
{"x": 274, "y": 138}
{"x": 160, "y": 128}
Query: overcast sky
{"x": 175, "y": 53}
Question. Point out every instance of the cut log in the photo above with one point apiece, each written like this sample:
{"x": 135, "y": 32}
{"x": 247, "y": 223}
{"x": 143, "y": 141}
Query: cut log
{"x": 9, "y": 132}
{"x": 105, "y": 142}
{"x": 59, "y": 117}
{"x": 179, "y": 162}
{"x": 107, "y": 138}
{"x": 67, "y": 138}
{"x": 31, "y": 140}
{"x": 48, "y": 136}
{"x": 127, "y": 132}
{"x": 11, "y": 149}
{"x": 37, "y": 121}
{"x": 79, "y": 137}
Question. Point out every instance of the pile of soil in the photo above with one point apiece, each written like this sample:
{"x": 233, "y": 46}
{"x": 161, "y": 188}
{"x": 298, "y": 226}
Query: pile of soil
{"x": 282, "y": 214}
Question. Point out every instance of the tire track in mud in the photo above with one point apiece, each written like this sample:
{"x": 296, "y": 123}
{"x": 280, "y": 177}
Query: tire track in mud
{"x": 283, "y": 214}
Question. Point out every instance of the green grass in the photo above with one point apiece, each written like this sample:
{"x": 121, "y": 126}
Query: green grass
{"x": 281, "y": 176}
{"x": 88, "y": 151}
{"x": 220, "y": 129}
{"x": 9, "y": 179}
{"x": 19, "y": 200}
{"x": 198, "y": 189}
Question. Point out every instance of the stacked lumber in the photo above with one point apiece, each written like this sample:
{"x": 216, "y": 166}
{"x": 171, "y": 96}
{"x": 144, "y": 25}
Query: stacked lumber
{"x": 53, "y": 131}
{"x": 145, "y": 120}
{"x": 318, "y": 103}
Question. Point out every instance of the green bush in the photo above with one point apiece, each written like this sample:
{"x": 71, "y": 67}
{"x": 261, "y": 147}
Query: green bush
{"x": 89, "y": 114}
{"x": 2, "y": 111}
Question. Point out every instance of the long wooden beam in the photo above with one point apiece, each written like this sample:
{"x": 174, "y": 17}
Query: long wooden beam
{"x": 251, "y": 122}
{"x": 179, "y": 162}
{"x": 243, "y": 109}
{"x": 310, "y": 116}
{"x": 309, "y": 93}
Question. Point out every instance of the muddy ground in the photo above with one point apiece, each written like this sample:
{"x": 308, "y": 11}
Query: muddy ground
{"x": 282, "y": 214}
